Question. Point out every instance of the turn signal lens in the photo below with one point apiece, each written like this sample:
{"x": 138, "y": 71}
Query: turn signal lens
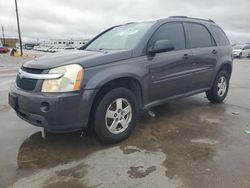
{"x": 78, "y": 81}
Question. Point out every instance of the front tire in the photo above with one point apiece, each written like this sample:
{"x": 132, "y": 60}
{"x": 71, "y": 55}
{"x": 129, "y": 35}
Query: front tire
{"x": 219, "y": 90}
{"x": 115, "y": 116}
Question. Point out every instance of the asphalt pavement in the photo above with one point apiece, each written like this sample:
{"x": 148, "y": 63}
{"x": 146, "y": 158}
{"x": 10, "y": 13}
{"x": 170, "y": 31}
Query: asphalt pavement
{"x": 190, "y": 143}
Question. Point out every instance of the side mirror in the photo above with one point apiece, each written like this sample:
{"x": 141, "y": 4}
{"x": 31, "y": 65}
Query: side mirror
{"x": 161, "y": 46}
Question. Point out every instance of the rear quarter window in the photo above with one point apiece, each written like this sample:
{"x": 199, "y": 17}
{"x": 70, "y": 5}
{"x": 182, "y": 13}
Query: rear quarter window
{"x": 219, "y": 36}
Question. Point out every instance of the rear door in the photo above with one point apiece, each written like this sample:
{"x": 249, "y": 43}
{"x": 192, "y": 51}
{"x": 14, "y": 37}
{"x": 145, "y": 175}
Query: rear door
{"x": 204, "y": 55}
{"x": 170, "y": 71}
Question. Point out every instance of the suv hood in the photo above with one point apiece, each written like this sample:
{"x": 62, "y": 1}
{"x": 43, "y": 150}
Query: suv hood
{"x": 83, "y": 57}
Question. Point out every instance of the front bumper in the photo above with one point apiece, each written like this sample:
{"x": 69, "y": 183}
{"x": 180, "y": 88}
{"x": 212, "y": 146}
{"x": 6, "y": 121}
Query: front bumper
{"x": 236, "y": 54}
{"x": 56, "y": 112}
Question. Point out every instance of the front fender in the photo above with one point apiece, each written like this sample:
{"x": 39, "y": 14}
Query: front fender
{"x": 137, "y": 69}
{"x": 96, "y": 77}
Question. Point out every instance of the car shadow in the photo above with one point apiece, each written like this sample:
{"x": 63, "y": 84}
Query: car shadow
{"x": 175, "y": 122}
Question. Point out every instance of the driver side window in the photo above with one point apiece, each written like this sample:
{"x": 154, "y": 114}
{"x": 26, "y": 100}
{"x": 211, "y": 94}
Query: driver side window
{"x": 173, "y": 32}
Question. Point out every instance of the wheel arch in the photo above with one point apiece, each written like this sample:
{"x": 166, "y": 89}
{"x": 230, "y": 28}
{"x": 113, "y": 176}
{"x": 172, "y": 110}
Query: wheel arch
{"x": 226, "y": 66}
{"x": 129, "y": 82}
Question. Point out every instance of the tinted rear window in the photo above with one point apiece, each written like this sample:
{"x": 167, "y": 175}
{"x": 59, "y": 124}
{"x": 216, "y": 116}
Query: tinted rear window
{"x": 219, "y": 35}
{"x": 199, "y": 36}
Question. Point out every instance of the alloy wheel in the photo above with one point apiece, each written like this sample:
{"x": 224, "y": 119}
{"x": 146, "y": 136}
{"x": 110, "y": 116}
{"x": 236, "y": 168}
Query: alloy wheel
{"x": 118, "y": 116}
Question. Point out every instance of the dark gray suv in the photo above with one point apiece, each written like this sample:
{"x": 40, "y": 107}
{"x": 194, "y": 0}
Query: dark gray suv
{"x": 122, "y": 71}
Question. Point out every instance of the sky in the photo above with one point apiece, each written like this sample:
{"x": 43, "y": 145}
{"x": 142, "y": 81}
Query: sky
{"x": 82, "y": 19}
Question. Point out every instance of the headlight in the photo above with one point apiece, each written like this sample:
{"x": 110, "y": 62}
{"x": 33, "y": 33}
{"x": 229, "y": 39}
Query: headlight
{"x": 70, "y": 81}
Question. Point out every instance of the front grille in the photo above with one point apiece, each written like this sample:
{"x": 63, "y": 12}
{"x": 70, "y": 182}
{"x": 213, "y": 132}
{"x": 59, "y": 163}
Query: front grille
{"x": 26, "y": 83}
{"x": 30, "y": 70}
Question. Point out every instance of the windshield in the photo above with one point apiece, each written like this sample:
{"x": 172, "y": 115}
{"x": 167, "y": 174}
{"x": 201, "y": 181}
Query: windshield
{"x": 239, "y": 47}
{"x": 121, "y": 37}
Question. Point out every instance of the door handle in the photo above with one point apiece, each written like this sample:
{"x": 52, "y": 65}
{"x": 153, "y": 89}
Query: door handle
{"x": 185, "y": 56}
{"x": 214, "y": 52}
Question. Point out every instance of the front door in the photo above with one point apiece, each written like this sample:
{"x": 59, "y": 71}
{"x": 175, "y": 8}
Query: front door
{"x": 170, "y": 71}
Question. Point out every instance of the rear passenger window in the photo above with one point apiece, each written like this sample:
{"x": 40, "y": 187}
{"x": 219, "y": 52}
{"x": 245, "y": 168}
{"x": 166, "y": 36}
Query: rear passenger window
{"x": 219, "y": 35}
{"x": 170, "y": 31}
{"x": 199, "y": 36}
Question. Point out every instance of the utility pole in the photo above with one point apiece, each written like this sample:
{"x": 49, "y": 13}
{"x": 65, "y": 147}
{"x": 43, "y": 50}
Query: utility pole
{"x": 18, "y": 27}
{"x": 3, "y": 36}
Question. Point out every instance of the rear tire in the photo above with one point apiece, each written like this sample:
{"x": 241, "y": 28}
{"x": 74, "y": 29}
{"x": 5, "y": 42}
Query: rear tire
{"x": 219, "y": 90}
{"x": 115, "y": 116}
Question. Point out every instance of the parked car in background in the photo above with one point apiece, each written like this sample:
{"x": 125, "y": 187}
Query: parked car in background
{"x": 69, "y": 48}
{"x": 241, "y": 51}
{"x": 122, "y": 71}
{"x": 29, "y": 46}
{"x": 62, "y": 49}
{"x": 46, "y": 48}
{"x": 3, "y": 49}
{"x": 53, "y": 49}
{"x": 36, "y": 47}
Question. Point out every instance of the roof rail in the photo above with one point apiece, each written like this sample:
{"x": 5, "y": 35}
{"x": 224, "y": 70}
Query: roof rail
{"x": 209, "y": 20}
{"x": 129, "y": 23}
{"x": 177, "y": 17}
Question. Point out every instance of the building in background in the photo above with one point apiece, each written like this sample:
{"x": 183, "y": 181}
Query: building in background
{"x": 9, "y": 42}
{"x": 62, "y": 43}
